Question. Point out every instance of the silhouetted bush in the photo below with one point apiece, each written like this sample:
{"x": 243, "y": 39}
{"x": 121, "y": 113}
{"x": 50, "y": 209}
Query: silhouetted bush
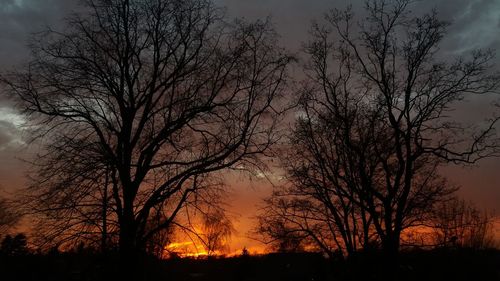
{"x": 14, "y": 246}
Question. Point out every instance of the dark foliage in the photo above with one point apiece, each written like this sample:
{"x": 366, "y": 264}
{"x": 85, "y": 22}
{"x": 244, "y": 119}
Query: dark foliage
{"x": 14, "y": 245}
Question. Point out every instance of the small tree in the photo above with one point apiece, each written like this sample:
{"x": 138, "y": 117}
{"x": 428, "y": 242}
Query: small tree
{"x": 216, "y": 232}
{"x": 14, "y": 246}
{"x": 281, "y": 234}
{"x": 460, "y": 224}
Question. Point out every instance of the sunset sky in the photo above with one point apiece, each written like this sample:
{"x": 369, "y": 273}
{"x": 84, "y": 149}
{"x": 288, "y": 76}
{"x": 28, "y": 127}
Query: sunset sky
{"x": 475, "y": 24}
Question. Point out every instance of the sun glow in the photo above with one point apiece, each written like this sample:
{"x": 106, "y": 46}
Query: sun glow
{"x": 187, "y": 249}
{"x": 192, "y": 249}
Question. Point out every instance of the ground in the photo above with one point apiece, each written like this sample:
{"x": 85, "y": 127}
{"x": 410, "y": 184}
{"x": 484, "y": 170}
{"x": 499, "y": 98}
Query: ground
{"x": 416, "y": 265}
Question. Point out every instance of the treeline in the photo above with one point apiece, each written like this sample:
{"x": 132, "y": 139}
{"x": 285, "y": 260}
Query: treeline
{"x": 457, "y": 264}
{"x": 451, "y": 224}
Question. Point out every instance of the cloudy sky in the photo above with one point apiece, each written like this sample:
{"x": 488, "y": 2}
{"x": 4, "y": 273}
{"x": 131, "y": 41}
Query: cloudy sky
{"x": 475, "y": 24}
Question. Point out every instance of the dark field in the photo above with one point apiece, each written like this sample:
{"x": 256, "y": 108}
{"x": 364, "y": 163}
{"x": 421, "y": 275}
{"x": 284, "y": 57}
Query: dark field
{"x": 421, "y": 265}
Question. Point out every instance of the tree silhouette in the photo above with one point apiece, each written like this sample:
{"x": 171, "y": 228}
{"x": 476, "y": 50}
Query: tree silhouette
{"x": 69, "y": 198}
{"x": 216, "y": 232}
{"x": 159, "y": 93}
{"x": 373, "y": 128}
{"x": 457, "y": 223}
{"x": 14, "y": 246}
{"x": 282, "y": 236}
{"x": 8, "y": 218}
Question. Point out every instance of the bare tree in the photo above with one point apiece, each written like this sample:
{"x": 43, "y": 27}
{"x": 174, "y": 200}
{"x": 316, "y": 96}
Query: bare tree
{"x": 164, "y": 93}
{"x": 69, "y": 198}
{"x": 374, "y": 126}
{"x": 157, "y": 244}
{"x": 216, "y": 232}
{"x": 279, "y": 231}
{"x": 460, "y": 224}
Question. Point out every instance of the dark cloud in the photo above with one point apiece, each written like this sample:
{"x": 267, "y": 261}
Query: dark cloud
{"x": 292, "y": 18}
{"x": 474, "y": 24}
{"x": 20, "y": 18}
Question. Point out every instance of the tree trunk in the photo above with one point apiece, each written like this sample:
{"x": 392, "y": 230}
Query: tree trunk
{"x": 391, "y": 256}
{"x": 131, "y": 264}
{"x": 391, "y": 246}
